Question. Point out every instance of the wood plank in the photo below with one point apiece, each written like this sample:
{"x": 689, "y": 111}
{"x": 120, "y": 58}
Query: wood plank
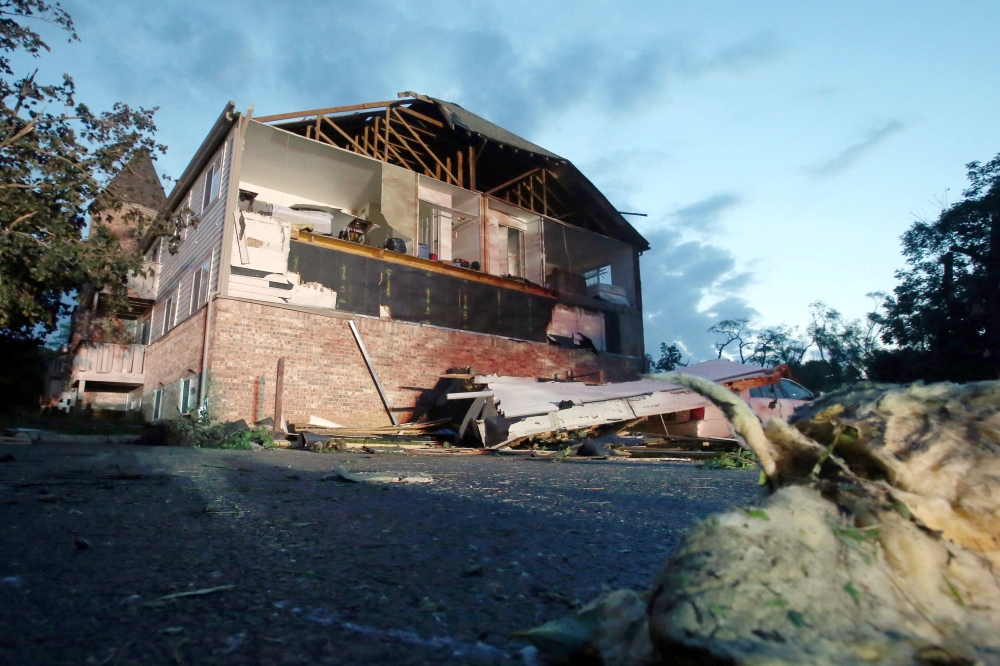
{"x": 388, "y": 110}
{"x": 513, "y": 180}
{"x": 417, "y": 114}
{"x": 472, "y": 168}
{"x": 425, "y": 264}
{"x": 402, "y": 140}
{"x": 421, "y": 141}
{"x": 327, "y": 111}
{"x": 460, "y": 170}
{"x": 342, "y": 133}
{"x": 374, "y": 374}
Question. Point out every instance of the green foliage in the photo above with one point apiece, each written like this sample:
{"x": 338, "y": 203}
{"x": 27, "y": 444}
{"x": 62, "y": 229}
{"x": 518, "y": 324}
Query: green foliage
{"x": 57, "y": 157}
{"x": 670, "y": 359}
{"x": 853, "y": 591}
{"x": 739, "y": 459}
{"x": 200, "y": 431}
{"x": 23, "y": 377}
{"x": 945, "y": 312}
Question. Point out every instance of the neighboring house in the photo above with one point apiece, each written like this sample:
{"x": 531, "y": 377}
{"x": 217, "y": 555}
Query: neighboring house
{"x": 445, "y": 241}
{"x": 103, "y": 364}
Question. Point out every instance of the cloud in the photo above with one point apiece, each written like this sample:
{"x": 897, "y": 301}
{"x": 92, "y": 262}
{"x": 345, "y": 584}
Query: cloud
{"x": 849, "y": 156}
{"x": 687, "y": 287}
{"x": 191, "y": 57}
{"x": 704, "y": 215}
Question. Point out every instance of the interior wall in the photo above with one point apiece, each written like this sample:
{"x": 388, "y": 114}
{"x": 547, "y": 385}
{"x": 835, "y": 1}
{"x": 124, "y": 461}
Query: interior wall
{"x": 399, "y": 204}
{"x": 301, "y": 167}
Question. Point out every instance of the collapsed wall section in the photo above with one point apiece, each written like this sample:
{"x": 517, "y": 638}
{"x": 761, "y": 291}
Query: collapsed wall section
{"x": 326, "y": 376}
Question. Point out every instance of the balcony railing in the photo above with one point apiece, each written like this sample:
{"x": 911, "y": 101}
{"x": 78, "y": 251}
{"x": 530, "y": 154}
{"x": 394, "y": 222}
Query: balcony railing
{"x": 107, "y": 362}
{"x": 144, "y": 286}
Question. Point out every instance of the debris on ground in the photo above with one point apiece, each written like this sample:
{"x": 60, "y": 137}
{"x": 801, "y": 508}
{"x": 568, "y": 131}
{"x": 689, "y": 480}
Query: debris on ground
{"x": 196, "y": 593}
{"x": 340, "y": 473}
{"x": 879, "y": 543}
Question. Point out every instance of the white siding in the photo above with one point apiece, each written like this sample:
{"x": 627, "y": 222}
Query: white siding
{"x": 199, "y": 245}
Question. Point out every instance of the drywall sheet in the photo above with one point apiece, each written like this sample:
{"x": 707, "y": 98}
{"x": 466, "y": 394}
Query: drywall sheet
{"x": 366, "y": 285}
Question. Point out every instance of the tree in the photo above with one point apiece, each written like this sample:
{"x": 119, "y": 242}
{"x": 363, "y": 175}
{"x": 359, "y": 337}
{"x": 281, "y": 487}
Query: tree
{"x": 732, "y": 330}
{"x": 56, "y": 160}
{"x": 945, "y": 313}
{"x": 846, "y": 347}
{"x": 670, "y": 359}
{"x": 774, "y": 346}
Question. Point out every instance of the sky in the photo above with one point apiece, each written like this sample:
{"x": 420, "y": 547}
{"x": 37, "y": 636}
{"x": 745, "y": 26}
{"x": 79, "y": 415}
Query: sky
{"x": 779, "y": 149}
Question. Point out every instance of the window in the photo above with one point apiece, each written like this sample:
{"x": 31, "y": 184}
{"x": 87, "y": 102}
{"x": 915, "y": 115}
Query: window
{"x": 199, "y": 288}
{"x": 157, "y": 403}
{"x": 796, "y": 391}
{"x": 189, "y": 395}
{"x": 213, "y": 178}
{"x": 168, "y": 315}
{"x": 142, "y": 332}
{"x": 515, "y": 250}
{"x": 430, "y": 228}
{"x": 600, "y": 275}
{"x": 154, "y": 252}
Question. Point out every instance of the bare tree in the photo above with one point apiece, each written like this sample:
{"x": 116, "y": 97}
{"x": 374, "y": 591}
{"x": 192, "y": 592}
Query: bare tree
{"x": 732, "y": 330}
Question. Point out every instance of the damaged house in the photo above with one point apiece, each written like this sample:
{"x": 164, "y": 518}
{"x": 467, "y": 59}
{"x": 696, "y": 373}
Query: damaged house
{"x": 354, "y": 255}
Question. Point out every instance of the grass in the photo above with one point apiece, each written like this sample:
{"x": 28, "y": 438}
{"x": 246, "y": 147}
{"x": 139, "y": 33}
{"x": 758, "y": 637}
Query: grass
{"x": 739, "y": 459}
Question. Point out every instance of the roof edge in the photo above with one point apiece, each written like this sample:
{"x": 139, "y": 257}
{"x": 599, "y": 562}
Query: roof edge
{"x": 216, "y": 136}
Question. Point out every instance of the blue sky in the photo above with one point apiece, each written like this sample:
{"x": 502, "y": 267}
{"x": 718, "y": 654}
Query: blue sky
{"x": 780, "y": 149}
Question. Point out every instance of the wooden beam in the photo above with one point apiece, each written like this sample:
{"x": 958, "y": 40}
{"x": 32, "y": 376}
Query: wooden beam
{"x": 366, "y": 139}
{"x": 320, "y": 135}
{"x": 426, "y": 119}
{"x": 421, "y": 142}
{"x": 399, "y": 157}
{"x": 447, "y": 165}
{"x": 513, "y": 180}
{"x": 371, "y": 370}
{"x": 460, "y": 169}
{"x": 387, "y": 110}
{"x": 545, "y": 197}
{"x": 406, "y": 145}
{"x": 342, "y": 133}
{"x": 324, "y": 112}
{"x": 472, "y": 167}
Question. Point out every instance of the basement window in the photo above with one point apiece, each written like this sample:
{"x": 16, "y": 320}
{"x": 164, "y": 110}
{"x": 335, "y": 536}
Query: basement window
{"x": 189, "y": 395}
{"x": 157, "y": 403}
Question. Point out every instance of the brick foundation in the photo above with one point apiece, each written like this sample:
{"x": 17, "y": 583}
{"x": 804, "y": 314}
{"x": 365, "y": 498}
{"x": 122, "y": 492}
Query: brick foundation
{"x": 325, "y": 374}
{"x": 175, "y": 356}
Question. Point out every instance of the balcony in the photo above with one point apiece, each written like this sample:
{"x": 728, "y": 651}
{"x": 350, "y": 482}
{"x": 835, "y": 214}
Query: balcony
{"x": 144, "y": 286}
{"x": 141, "y": 294}
{"x": 114, "y": 368}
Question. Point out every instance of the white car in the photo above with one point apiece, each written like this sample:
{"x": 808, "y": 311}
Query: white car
{"x": 777, "y": 401}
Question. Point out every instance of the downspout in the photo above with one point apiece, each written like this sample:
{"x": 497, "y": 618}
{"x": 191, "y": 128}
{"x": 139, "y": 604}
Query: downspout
{"x": 203, "y": 377}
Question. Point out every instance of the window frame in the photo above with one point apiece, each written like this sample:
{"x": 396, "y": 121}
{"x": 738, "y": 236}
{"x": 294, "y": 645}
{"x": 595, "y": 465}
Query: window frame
{"x": 169, "y": 313}
{"x": 520, "y": 248}
{"x": 157, "y": 403}
{"x": 213, "y": 183}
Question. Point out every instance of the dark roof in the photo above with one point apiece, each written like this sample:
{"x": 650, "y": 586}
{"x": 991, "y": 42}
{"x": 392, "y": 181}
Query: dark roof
{"x": 456, "y": 116}
{"x": 138, "y": 183}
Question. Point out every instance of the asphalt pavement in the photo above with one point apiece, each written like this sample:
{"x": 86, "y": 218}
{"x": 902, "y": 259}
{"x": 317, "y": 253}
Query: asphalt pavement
{"x": 117, "y": 554}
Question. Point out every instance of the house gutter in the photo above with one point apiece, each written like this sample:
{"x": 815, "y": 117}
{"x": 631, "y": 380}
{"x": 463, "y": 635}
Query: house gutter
{"x": 204, "y": 153}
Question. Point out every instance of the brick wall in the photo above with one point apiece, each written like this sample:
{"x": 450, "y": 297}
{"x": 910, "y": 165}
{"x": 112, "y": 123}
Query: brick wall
{"x": 325, "y": 374}
{"x": 172, "y": 358}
